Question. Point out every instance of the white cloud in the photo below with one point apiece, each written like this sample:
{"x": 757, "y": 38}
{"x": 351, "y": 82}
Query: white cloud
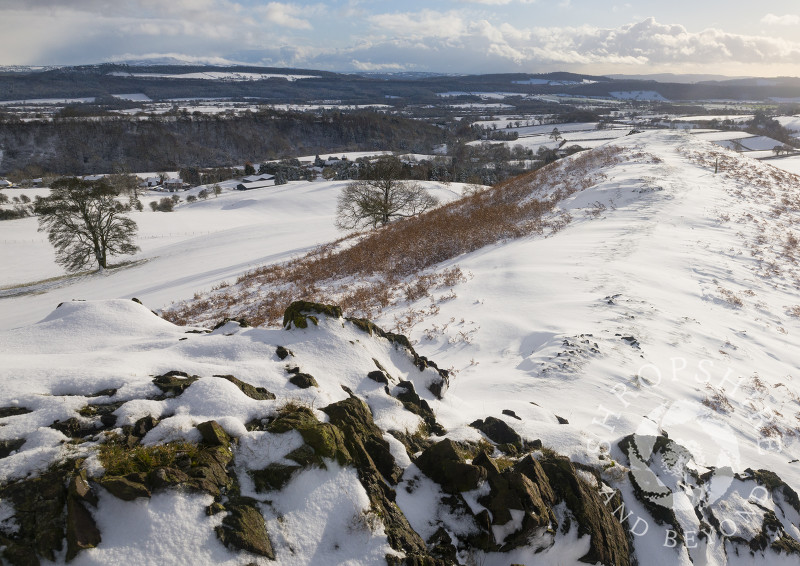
{"x": 287, "y": 15}
{"x": 785, "y": 20}
{"x": 424, "y": 24}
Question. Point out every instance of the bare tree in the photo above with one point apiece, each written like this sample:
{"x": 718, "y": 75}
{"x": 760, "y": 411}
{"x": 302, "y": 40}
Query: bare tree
{"x": 85, "y": 223}
{"x": 379, "y": 196}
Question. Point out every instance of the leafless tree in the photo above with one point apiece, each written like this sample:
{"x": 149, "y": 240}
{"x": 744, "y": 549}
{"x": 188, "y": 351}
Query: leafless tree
{"x": 380, "y": 196}
{"x": 85, "y": 223}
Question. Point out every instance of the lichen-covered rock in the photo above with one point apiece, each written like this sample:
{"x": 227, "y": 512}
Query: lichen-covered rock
{"x": 244, "y": 528}
{"x": 166, "y": 477}
{"x": 300, "y": 312}
{"x": 354, "y": 419}
{"x": 444, "y": 465}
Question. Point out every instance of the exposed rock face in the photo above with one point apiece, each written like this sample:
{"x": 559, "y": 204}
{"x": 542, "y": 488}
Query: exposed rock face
{"x": 498, "y": 495}
{"x": 39, "y": 504}
{"x": 244, "y": 529}
{"x": 444, "y": 465}
{"x": 609, "y": 540}
{"x": 761, "y": 525}
{"x": 438, "y": 386}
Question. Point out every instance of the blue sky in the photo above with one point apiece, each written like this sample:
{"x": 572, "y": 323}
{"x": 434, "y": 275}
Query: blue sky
{"x": 459, "y": 36}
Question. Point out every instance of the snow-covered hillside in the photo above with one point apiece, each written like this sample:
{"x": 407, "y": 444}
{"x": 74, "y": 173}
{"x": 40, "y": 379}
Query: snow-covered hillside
{"x": 646, "y": 330}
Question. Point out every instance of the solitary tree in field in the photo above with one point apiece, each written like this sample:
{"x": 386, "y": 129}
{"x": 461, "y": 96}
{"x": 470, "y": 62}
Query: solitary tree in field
{"x": 379, "y": 196}
{"x": 85, "y": 223}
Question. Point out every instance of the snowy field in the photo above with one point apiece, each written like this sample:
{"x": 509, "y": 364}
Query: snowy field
{"x": 191, "y": 249}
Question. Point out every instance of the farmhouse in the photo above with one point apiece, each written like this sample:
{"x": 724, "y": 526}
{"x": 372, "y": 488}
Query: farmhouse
{"x": 256, "y": 185}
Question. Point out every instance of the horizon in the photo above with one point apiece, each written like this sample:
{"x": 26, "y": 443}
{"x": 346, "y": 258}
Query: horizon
{"x": 734, "y": 39}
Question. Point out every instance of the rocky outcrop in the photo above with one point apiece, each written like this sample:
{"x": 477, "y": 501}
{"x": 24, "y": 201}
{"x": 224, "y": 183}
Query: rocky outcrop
{"x": 750, "y": 513}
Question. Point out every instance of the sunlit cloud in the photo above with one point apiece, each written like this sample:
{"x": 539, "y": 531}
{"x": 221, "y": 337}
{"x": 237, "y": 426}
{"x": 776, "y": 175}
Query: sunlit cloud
{"x": 785, "y": 20}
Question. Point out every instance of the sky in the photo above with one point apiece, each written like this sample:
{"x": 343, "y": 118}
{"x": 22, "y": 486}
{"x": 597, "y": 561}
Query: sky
{"x": 733, "y": 37}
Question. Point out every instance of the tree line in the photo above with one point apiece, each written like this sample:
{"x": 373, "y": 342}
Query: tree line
{"x": 80, "y": 146}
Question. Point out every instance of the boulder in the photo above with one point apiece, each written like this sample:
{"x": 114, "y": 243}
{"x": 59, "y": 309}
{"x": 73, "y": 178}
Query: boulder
{"x": 444, "y": 465}
{"x": 499, "y": 432}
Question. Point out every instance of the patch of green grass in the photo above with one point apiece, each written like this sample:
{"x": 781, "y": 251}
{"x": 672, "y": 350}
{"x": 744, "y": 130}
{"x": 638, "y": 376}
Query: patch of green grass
{"x": 119, "y": 460}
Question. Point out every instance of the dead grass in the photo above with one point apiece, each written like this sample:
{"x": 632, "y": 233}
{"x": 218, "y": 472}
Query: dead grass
{"x": 365, "y": 273}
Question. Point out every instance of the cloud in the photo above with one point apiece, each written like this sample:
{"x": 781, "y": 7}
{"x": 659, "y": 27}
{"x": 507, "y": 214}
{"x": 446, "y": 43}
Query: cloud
{"x": 424, "y": 24}
{"x": 785, "y": 20}
{"x": 287, "y": 15}
{"x": 497, "y": 2}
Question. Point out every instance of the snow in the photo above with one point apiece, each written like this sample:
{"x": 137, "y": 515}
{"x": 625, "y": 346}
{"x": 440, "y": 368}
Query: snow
{"x": 687, "y": 263}
{"x": 217, "y": 76}
{"x": 166, "y": 529}
{"x": 323, "y": 517}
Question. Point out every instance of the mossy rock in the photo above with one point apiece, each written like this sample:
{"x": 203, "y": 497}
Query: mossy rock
{"x": 244, "y": 528}
{"x": 81, "y": 529}
{"x": 213, "y": 434}
{"x": 292, "y": 417}
{"x": 300, "y": 312}
{"x": 444, "y": 465}
{"x": 166, "y": 477}
{"x": 353, "y": 417}
{"x": 257, "y": 393}
{"x": 326, "y": 440}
